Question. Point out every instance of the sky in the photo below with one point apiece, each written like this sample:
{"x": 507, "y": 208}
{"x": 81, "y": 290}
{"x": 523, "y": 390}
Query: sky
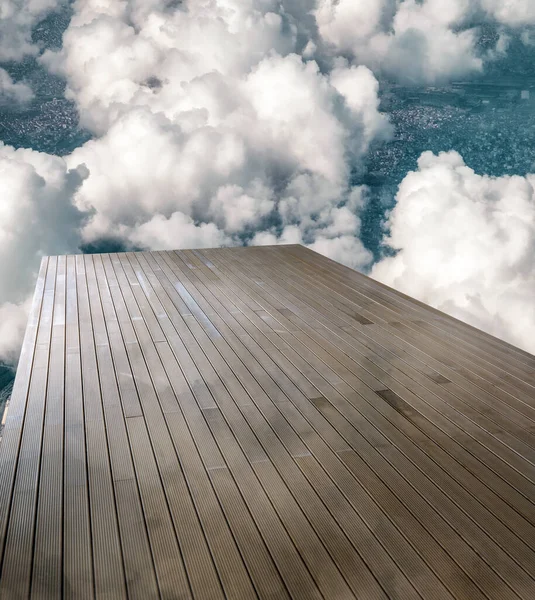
{"x": 395, "y": 136}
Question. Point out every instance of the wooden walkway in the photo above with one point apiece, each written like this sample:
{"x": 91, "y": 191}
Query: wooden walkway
{"x": 261, "y": 422}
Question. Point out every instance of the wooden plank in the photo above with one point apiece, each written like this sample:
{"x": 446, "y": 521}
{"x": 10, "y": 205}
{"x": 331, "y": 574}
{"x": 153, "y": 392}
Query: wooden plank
{"x": 405, "y": 495}
{"x": 230, "y": 566}
{"x": 14, "y": 420}
{"x": 296, "y": 576}
{"x": 413, "y": 313}
{"x": 137, "y": 557}
{"x": 256, "y": 271}
{"x": 474, "y": 417}
{"x": 15, "y": 577}
{"x": 334, "y": 539}
{"x": 48, "y": 557}
{"x": 491, "y": 427}
{"x": 166, "y": 554}
{"x": 455, "y": 374}
{"x": 374, "y": 384}
{"x": 107, "y": 552}
{"x": 450, "y": 426}
{"x": 336, "y": 292}
{"x": 519, "y": 358}
{"x": 320, "y": 483}
{"x": 261, "y": 423}
{"x": 168, "y": 563}
{"x": 77, "y": 562}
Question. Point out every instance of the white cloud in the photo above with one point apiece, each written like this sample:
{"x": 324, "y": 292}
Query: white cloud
{"x": 418, "y": 41}
{"x": 17, "y": 20}
{"x": 230, "y": 121}
{"x": 466, "y": 245}
{"x": 241, "y": 139}
{"x": 13, "y": 318}
{"x": 412, "y": 41}
{"x": 13, "y": 92}
{"x": 511, "y": 12}
{"x": 335, "y": 232}
{"x": 178, "y": 231}
{"x": 36, "y": 218}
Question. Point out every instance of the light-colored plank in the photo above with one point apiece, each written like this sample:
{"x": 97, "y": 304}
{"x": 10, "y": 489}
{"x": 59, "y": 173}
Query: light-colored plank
{"x": 48, "y": 551}
{"x": 18, "y": 552}
{"x": 137, "y": 557}
{"x": 77, "y": 563}
{"x": 107, "y": 553}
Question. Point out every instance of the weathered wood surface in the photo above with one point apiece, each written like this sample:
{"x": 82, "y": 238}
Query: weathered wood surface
{"x": 261, "y": 422}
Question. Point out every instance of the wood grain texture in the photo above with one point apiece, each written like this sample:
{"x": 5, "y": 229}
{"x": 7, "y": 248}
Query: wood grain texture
{"x": 261, "y": 423}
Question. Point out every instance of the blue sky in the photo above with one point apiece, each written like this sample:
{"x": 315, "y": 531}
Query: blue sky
{"x": 393, "y": 135}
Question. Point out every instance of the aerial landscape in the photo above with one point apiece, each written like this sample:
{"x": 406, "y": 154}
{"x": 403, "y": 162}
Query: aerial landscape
{"x": 394, "y": 136}
{"x": 267, "y": 283}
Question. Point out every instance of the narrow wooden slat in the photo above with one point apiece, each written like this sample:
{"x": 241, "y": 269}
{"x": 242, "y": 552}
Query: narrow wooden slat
{"x": 373, "y": 384}
{"x": 14, "y": 419}
{"x": 15, "y": 579}
{"x": 382, "y": 495}
{"x": 413, "y": 315}
{"x": 292, "y": 476}
{"x": 449, "y": 428}
{"x": 343, "y": 296}
{"x": 295, "y": 575}
{"x": 347, "y": 486}
{"x": 48, "y": 557}
{"x": 107, "y": 553}
{"x": 165, "y": 550}
{"x": 467, "y": 424}
{"x": 519, "y": 358}
{"x": 77, "y": 563}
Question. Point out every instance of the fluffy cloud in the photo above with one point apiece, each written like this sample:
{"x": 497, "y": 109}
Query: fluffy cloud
{"x": 13, "y": 319}
{"x": 466, "y": 244}
{"x": 514, "y": 12}
{"x": 198, "y": 144}
{"x": 37, "y": 218}
{"x": 418, "y": 41}
{"x": 335, "y": 232}
{"x": 415, "y": 42}
{"x": 13, "y": 92}
{"x": 17, "y": 20}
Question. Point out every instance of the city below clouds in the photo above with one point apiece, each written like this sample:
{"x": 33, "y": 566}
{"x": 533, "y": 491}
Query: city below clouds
{"x": 227, "y": 122}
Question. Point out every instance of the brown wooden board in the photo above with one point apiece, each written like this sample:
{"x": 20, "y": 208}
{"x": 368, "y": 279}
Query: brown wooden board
{"x": 261, "y": 423}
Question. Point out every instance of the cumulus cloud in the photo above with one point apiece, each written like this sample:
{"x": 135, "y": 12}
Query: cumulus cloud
{"x": 412, "y": 41}
{"x": 202, "y": 145}
{"x": 335, "y": 232}
{"x": 418, "y": 41}
{"x": 513, "y": 12}
{"x": 17, "y": 20}
{"x": 37, "y": 218}
{"x": 13, "y": 92}
{"x": 465, "y": 244}
{"x": 13, "y": 318}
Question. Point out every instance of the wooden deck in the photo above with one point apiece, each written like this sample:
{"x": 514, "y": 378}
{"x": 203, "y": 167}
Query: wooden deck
{"x": 261, "y": 422}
